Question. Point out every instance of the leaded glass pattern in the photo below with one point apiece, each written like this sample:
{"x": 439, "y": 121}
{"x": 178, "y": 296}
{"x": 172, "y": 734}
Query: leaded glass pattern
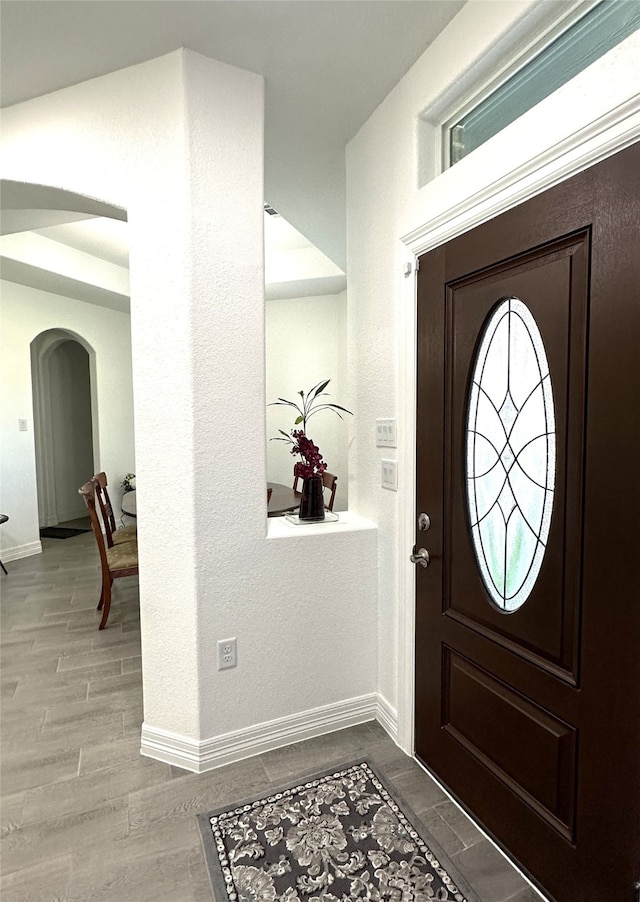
{"x": 510, "y": 454}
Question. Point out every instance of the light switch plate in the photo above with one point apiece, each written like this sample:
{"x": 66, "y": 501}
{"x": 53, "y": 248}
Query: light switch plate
{"x": 386, "y": 434}
{"x": 390, "y": 475}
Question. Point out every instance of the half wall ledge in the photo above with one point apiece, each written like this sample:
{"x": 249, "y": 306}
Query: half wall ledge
{"x": 279, "y": 528}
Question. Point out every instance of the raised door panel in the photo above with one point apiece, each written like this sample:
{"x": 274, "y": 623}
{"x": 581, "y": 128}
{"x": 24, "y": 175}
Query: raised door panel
{"x": 551, "y": 281}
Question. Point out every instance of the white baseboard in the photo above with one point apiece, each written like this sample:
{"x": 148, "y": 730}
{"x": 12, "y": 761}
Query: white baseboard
{"x": 387, "y": 717}
{"x": 200, "y": 756}
{"x": 18, "y": 551}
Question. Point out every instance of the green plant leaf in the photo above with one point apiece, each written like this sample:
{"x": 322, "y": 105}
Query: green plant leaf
{"x": 281, "y": 402}
{"x": 319, "y": 388}
{"x": 336, "y": 408}
{"x": 310, "y": 405}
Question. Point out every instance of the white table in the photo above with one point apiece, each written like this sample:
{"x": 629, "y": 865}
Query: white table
{"x": 128, "y": 504}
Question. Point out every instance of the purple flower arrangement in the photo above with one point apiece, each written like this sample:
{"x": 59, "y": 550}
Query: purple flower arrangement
{"x": 312, "y": 463}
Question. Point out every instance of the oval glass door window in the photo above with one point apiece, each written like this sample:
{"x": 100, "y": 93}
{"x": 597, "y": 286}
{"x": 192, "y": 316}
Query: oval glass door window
{"x": 510, "y": 454}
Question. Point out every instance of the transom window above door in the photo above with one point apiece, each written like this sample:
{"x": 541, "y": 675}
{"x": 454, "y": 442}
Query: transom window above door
{"x": 571, "y": 46}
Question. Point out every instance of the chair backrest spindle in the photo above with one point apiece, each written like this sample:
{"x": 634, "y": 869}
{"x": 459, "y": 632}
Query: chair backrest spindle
{"x": 104, "y": 502}
{"x": 89, "y": 496}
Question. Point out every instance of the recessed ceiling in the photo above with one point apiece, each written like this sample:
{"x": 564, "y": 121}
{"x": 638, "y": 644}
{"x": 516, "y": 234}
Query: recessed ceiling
{"x": 107, "y": 239}
{"x": 327, "y": 65}
{"x": 87, "y": 258}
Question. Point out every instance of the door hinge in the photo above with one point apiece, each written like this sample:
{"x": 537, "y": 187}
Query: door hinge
{"x": 636, "y": 887}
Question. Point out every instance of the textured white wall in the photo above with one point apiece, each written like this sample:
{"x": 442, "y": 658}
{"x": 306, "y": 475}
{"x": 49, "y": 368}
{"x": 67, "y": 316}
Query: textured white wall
{"x": 178, "y": 143}
{"x": 306, "y": 340}
{"x": 25, "y": 314}
{"x": 385, "y": 164}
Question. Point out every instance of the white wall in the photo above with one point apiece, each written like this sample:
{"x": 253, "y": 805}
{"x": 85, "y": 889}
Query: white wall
{"x": 26, "y": 313}
{"x": 384, "y": 203}
{"x": 178, "y": 143}
{"x": 306, "y": 340}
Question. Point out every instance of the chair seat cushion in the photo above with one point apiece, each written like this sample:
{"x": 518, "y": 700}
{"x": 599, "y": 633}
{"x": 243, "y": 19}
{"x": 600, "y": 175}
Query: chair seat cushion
{"x": 123, "y": 556}
{"x": 125, "y": 534}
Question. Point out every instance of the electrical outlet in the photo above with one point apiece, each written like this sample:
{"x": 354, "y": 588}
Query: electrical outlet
{"x": 227, "y": 653}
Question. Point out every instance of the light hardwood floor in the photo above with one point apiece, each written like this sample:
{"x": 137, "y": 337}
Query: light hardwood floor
{"x": 84, "y": 816}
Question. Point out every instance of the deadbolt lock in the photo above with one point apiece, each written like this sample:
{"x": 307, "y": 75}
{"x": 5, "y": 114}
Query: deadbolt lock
{"x": 424, "y": 522}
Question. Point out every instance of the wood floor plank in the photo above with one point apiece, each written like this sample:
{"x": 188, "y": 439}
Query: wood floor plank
{"x": 151, "y": 878}
{"x": 484, "y": 869}
{"x": 108, "y": 754}
{"x": 42, "y": 882}
{"x": 464, "y": 829}
{"x": 31, "y": 767}
{"x": 11, "y": 805}
{"x": 131, "y": 665}
{"x": 87, "y": 791}
{"x": 49, "y": 839}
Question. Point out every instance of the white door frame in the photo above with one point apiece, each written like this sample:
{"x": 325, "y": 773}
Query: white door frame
{"x": 603, "y": 137}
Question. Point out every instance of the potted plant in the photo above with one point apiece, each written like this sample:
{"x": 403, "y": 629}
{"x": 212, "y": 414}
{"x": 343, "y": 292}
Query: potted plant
{"x": 129, "y": 483}
{"x": 311, "y": 466}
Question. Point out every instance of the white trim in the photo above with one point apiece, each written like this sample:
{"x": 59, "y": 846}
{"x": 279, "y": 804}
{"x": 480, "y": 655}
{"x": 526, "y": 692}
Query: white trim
{"x": 387, "y": 717}
{"x": 407, "y": 368}
{"x": 20, "y": 551}
{"x": 199, "y": 756}
{"x": 603, "y": 137}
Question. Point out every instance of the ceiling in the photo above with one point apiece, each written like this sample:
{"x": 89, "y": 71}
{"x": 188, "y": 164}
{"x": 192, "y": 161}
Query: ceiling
{"x": 86, "y": 256}
{"x": 327, "y": 65}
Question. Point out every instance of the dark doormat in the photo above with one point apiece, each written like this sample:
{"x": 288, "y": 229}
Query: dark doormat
{"x": 60, "y": 532}
{"x": 343, "y": 834}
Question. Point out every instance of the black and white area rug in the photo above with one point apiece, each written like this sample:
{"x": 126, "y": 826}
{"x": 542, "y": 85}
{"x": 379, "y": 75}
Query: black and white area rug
{"x": 338, "y": 836}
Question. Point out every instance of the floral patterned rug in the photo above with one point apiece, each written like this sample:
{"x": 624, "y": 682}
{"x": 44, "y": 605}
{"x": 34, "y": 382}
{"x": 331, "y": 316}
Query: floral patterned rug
{"x": 343, "y": 835}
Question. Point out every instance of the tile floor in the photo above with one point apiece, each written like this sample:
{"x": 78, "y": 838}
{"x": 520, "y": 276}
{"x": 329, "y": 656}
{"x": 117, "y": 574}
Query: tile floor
{"x": 84, "y": 817}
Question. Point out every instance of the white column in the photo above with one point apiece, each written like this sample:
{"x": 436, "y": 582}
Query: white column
{"x": 198, "y": 339}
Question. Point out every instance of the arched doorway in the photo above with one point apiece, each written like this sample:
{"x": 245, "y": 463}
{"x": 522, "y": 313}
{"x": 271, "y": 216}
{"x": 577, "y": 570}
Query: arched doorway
{"x": 65, "y": 277}
{"x": 63, "y": 423}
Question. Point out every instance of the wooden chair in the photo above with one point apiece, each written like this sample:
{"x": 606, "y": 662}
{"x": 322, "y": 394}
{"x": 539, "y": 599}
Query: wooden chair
{"x": 115, "y": 535}
{"x": 329, "y": 482}
{"x": 119, "y": 560}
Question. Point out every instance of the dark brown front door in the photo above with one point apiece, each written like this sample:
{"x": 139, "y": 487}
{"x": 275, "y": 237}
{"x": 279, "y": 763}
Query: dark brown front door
{"x": 528, "y": 465}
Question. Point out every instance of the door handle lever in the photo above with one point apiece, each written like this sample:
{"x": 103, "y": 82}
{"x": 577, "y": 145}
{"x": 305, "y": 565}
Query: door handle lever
{"x": 420, "y": 556}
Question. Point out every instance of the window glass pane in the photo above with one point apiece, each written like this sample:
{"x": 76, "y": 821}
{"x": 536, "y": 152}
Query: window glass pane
{"x": 591, "y": 37}
{"x": 510, "y": 435}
